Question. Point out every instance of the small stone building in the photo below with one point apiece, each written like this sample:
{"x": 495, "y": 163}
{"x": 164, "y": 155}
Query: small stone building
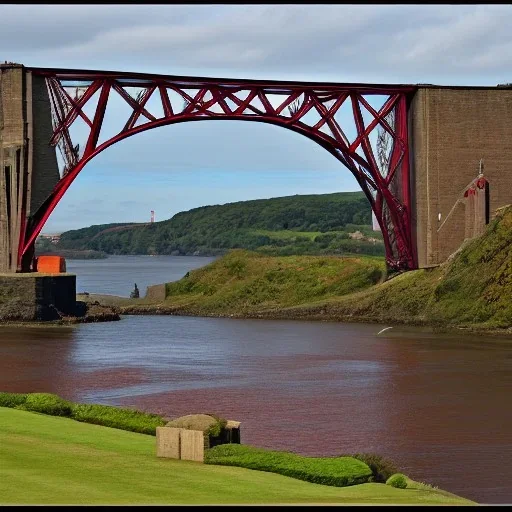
{"x": 188, "y": 437}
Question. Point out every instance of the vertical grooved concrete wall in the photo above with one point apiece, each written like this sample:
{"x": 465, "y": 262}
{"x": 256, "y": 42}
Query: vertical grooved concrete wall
{"x": 12, "y": 142}
{"x": 451, "y": 130}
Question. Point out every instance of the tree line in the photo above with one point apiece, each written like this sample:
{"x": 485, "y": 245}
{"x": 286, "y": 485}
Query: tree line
{"x": 326, "y": 221}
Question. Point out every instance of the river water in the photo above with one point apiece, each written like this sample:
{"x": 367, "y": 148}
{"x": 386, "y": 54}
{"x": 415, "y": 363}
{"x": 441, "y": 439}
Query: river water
{"x": 117, "y": 275}
{"x": 436, "y": 404}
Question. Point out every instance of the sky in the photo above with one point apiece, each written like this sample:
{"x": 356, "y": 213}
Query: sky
{"x": 178, "y": 167}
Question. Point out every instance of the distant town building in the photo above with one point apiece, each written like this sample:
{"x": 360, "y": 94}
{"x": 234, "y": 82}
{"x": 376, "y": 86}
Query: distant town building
{"x": 54, "y": 238}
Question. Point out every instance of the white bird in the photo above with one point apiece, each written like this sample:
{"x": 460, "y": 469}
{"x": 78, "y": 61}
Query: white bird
{"x": 385, "y": 329}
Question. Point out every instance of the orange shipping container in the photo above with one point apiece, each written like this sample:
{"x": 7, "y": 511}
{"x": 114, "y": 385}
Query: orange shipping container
{"x": 51, "y": 264}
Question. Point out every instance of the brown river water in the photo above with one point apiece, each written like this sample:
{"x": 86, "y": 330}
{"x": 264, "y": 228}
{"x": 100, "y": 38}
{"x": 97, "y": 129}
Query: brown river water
{"x": 438, "y": 405}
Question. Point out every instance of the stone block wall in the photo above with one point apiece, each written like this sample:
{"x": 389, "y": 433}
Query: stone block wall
{"x": 28, "y": 164}
{"x": 188, "y": 444}
{"x": 33, "y": 297}
{"x": 451, "y": 129}
{"x": 168, "y": 442}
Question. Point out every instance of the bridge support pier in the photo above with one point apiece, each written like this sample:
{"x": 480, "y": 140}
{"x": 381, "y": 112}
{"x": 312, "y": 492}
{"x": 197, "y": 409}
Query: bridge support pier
{"x": 26, "y": 297}
{"x": 28, "y": 165}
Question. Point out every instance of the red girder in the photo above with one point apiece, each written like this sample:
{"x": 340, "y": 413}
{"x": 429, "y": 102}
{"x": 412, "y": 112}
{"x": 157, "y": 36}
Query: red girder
{"x": 392, "y": 208}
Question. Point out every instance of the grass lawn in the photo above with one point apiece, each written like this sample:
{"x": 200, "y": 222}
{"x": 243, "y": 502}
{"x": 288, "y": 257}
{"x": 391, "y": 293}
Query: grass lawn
{"x": 55, "y": 460}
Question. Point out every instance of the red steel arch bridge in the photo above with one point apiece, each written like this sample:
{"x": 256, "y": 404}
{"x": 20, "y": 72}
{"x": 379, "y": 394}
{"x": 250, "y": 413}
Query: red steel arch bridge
{"x": 367, "y": 128}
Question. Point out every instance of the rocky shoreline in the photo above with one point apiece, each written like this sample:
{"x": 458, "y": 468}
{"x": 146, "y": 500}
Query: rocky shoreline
{"x": 86, "y": 313}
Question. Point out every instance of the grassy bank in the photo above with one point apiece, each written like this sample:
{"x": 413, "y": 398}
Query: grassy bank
{"x": 244, "y": 282}
{"x": 472, "y": 290}
{"x": 340, "y": 471}
{"x": 55, "y": 460}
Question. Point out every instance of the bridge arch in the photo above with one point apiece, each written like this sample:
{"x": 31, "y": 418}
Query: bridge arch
{"x": 383, "y": 179}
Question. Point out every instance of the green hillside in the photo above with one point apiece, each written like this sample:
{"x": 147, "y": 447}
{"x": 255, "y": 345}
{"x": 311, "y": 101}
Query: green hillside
{"x": 307, "y": 224}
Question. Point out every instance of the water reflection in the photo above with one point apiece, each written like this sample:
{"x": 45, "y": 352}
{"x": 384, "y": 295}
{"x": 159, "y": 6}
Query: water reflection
{"x": 35, "y": 359}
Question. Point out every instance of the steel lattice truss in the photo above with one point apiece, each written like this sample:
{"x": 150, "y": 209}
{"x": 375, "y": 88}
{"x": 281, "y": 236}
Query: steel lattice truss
{"x": 313, "y": 110}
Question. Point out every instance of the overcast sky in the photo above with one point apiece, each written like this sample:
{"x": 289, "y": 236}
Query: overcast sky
{"x": 179, "y": 167}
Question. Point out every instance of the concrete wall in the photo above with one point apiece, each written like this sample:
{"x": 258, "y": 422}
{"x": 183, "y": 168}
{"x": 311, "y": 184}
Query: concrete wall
{"x": 451, "y": 130}
{"x": 35, "y": 297}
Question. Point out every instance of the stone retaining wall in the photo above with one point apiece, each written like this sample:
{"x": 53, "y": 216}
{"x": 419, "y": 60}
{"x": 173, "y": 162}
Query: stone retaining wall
{"x": 36, "y": 297}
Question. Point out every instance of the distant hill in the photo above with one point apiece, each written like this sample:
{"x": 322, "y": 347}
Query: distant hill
{"x": 300, "y": 224}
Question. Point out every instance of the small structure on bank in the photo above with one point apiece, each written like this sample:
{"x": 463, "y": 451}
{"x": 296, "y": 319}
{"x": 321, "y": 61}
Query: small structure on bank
{"x": 188, "y": 437}
{"x": 135, "y": 293}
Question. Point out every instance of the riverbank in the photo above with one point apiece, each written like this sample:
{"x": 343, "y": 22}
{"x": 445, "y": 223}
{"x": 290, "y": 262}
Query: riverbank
{"x": 322, "y": 313}
{"x": 57, "y": 460}
{"x": 472, "y": 291}
{"x": 71, "y": 254}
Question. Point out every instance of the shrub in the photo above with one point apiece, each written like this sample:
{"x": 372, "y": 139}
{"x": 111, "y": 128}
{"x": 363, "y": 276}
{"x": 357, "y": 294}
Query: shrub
{"x": 12, "y": 399}
{"x": 398, "y": 480}
{"x": 114, "y": 417}
{"x": 333, "y": 471}
{"x": 47, "y": 403}
{"x": 211, "y": 424}
{"x": 216, "y": 430}
{"x": 105, "y": 415}
{"x": 381, "y": 467}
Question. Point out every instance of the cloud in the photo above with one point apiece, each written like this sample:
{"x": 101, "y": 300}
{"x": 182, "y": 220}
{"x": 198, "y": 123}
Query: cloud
{"x": 392, "y": 42}
{"x": 161, "y": 169}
